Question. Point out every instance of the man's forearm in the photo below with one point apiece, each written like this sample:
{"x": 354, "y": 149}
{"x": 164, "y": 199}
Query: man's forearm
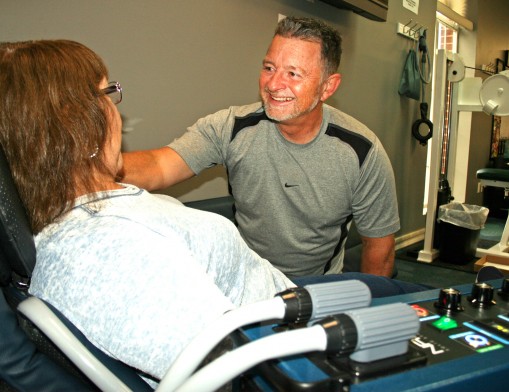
{"x": 154, "y": 169}
{"x": 140, "y": 168}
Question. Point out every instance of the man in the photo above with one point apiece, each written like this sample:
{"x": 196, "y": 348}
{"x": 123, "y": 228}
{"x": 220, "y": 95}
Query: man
{"x": 299, "y": 170}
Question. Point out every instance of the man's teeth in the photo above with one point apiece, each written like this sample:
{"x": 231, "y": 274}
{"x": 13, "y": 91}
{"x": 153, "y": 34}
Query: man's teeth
{"x": 281, "y": 99}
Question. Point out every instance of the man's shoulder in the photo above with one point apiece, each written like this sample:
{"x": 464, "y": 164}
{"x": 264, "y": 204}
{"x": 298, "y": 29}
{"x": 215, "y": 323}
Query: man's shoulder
{"x": 235, "y": 118}
{"x": 351, "y": 132}
{"x": 246, "y": 110}
{"x": 247, "y": 117}
{"x": 240, "y": 111}
{"x": 342, "y": 121}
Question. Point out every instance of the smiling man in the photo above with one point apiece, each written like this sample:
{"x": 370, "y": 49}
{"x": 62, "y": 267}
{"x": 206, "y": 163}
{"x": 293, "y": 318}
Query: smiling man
{"x": 292, "y": 86}
{"x": 299, "y": 170}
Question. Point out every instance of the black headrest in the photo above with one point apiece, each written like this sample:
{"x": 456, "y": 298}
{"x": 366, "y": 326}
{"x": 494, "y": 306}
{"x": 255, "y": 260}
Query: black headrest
{"x": 17, "y": 248}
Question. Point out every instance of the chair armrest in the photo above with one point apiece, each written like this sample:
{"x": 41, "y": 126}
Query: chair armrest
{"x": 220, "y": 205}
{"x": 43, "y": 317}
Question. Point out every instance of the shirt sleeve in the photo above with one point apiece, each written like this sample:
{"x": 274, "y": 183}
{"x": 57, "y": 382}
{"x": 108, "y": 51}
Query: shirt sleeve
{"x": 205, "y": 143}
{"x": 375, "y": 206}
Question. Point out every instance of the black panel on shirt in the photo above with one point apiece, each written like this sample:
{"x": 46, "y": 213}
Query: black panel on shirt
{"x": 360, "y": 145}
{"x": 247, "y": 121}
{"x": 342, "y": 239}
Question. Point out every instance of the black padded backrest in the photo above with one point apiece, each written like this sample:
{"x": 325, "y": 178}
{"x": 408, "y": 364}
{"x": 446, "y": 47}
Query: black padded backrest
{"x": 17, "y": 248}
{"x": 220, "y": 205}
{"x": 23, "y": 367}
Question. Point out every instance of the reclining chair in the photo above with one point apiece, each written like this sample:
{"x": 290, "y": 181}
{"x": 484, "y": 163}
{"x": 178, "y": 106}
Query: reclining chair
{"x": 42, "y": 366}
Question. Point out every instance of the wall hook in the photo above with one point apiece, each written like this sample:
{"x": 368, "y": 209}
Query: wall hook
{"x": 410, "y": 30}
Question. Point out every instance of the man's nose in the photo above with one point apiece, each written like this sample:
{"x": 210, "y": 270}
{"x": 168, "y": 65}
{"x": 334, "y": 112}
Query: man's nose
{"x": 276, "y": 81}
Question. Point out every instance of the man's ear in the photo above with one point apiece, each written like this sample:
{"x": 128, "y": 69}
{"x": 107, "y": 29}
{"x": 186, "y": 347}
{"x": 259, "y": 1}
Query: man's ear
{"x": 330, "y": 86}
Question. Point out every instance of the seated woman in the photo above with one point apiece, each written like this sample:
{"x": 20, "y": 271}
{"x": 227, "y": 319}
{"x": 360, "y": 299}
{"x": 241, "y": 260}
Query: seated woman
{"x": 139, "y": 274}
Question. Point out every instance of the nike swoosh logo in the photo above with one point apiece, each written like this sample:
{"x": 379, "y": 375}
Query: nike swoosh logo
{"x": 290, "y": 185}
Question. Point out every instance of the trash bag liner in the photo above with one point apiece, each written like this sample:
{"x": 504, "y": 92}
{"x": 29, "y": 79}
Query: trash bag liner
{"x": 464, "y": 215}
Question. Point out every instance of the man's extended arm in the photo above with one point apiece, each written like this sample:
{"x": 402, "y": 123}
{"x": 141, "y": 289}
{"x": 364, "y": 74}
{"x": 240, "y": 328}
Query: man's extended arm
{"x": 154, "y": 169}
{"x": 378, "y": 255}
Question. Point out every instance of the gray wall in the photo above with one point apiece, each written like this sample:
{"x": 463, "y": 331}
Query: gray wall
{"x": 179, "y": 60}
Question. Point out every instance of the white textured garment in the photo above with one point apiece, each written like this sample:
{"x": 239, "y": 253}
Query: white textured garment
{"x": 141, "y": 274}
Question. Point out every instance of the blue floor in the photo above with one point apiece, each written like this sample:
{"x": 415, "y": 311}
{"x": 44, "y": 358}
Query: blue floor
{"x": 429, "y": 274}
{"x": 439, "y": 274}
{"x": 492, "y": 230}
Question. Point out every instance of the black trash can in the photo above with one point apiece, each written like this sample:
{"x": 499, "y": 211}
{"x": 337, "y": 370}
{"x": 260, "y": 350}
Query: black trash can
{"x": 460, "y": 228}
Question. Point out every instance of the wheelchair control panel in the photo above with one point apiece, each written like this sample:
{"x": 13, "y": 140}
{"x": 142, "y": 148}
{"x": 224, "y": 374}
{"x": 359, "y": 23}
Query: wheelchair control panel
{"x": 463, "y": 342}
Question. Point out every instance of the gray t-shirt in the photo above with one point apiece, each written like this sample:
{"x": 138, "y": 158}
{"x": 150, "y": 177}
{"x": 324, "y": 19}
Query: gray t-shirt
{"x": 295, "y": 202}
{"x": 141, "y": 274}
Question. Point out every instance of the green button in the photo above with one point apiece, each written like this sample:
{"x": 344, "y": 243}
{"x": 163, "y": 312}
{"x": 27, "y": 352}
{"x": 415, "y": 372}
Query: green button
{"x": 444, "y": 323}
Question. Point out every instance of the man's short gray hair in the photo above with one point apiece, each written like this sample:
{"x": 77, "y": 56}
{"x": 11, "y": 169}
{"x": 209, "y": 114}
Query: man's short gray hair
{"x": 315, "y": 31}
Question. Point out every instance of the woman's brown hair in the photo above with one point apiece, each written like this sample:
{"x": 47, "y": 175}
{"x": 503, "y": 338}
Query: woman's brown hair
{"x": 53, "y": 123}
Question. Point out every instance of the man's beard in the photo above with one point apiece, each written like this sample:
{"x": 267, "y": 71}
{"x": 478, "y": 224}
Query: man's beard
{"x": 296, "y": 111}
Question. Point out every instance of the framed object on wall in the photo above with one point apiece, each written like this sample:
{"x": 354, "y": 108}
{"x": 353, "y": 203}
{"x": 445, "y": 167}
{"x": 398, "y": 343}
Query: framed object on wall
{"x": 500, "y": 137}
